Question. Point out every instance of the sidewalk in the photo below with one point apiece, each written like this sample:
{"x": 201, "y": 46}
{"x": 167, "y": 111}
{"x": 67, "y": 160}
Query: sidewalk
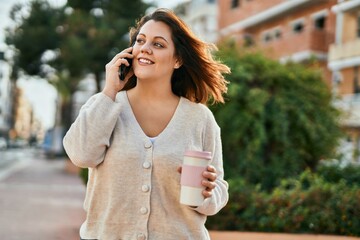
{"x": 39, "y": 200}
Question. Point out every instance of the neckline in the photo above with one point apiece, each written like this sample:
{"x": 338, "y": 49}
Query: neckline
{"x": 139, "y": 128}
{"x": 152, "y": 139}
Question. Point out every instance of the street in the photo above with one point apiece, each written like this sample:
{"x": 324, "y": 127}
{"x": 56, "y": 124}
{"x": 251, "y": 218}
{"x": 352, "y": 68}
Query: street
{"x": 38, "y": 199}
{"x": 15, "y": 158}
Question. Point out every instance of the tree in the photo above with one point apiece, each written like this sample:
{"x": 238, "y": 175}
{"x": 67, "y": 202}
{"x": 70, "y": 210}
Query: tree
{"x": 33, "y": 35}
{"x": 81, "y": 37}
{"x": 105, "y": 32}
{"x": 278, "y": 119}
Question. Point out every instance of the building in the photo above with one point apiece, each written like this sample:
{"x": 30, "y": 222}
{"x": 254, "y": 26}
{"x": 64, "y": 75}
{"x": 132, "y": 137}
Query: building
{"x": 302, "y": 30}
{"x": 296, "y": 30}
{"x": 5, "y": 97}
{"x": 344, "y": 62}
{"x": 202, "y": 17}
{"x": 24, "y": 117}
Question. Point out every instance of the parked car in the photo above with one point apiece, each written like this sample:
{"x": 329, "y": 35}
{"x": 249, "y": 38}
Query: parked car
{"x": 17, "y": 143}
{"x": 52, "y": 144}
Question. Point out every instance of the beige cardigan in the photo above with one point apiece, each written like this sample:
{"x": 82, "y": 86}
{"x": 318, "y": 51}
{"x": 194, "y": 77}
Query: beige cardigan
{"x": 133, "y": 189}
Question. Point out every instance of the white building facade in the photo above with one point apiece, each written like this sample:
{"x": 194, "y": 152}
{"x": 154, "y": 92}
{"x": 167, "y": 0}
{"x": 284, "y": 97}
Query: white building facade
{"x": 202, "y": 17}
{"x": 5, "y": 97}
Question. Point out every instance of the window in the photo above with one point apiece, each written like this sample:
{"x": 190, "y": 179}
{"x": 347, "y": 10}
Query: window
{"x": 248, "y": 40}
{"x": 277, "y": 33}
{"x": 235, "y": 3}
{"x": 356, "y": 80}
{"x": 358, "y": 27}
{"x": 271, "y": 35}
{"x": 298, "y": 27}
{"x": 319, "y": 23}
{"x": 319, "y": 19}
{"x": 267, "y": 37}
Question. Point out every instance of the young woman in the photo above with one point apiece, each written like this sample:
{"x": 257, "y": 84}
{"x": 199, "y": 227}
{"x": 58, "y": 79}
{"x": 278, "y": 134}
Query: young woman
{"x": 132, "y": 136}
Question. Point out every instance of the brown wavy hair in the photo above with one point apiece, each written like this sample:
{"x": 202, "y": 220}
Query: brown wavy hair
{"x": 200, "y": 77}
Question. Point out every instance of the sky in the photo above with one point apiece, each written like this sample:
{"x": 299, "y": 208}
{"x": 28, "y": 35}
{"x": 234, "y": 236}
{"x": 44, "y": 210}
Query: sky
{"x": 41, "y": 94}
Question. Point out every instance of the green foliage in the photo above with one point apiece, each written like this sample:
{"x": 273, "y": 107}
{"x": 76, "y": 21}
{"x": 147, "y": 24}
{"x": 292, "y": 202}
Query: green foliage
{"x": 83, "y": 36}
{"x": 306, "y": 204}
{"x": 33, "y": 36}
{"x": 84, "y": 172}
{"x": 278, "y": 119}
{"x": 334, "y": 174}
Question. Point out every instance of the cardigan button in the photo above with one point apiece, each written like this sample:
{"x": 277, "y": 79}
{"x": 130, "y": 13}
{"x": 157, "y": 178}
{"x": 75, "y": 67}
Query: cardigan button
{"x": 141, "y": 236}
{"x": 145, "y": 188}
{"x": 147, "y": 144}
{"x": 146, "y": 165}
{"x": 143, "y": 210}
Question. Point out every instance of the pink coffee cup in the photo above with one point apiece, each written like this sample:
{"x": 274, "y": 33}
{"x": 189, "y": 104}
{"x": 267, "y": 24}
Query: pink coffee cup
{"x": 194, "y": 164}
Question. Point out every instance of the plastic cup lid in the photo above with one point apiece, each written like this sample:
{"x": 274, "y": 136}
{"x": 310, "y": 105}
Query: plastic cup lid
{"x": 198, "y": 154}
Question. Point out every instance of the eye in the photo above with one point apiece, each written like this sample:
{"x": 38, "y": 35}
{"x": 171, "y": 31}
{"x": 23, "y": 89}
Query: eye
{"x": 159, "y": 45}
{"x": 140, "y": 40}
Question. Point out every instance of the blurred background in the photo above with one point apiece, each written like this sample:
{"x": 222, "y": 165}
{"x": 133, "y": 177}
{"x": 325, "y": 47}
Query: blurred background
{"x": 290, "y": 124}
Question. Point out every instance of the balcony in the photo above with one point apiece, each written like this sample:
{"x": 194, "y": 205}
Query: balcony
{"x": 309, "y": 40}
{"x": 346, "y": 5}
{"x": 344, "y": 51}
{"x": 350, "y": 106}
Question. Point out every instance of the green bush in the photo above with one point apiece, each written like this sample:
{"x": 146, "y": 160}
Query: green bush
{"x": 277, "y": 121}
{"x": 307, "y": 204}
{"x": 333, "y": 173}
{"x": 84, "y": 172}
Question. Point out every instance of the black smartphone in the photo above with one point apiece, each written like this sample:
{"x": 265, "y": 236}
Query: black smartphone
{"x": 124, "y": 70}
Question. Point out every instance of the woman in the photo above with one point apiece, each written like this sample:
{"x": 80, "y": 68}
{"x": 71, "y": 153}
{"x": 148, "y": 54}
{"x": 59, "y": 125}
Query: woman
{"x": 132, "y": 136}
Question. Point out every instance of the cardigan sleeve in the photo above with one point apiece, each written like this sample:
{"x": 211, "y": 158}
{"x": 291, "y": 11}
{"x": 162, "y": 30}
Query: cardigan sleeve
{"x": 212, "y": 143}
{"x": 89, "y": 136}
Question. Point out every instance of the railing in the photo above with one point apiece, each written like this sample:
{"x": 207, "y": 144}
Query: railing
{"x": 350, "y": 106}
{"x": 345, "y": 50}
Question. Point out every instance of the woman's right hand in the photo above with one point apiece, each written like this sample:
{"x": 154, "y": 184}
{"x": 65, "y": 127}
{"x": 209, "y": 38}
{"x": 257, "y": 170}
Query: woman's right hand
{"x": 113, "y": 84}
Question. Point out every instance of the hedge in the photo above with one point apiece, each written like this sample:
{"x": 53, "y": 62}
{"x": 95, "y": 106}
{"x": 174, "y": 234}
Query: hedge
{"x": 307, "y": 204}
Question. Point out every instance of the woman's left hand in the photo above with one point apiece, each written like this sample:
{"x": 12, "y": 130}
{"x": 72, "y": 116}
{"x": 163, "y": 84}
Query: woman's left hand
{"x": 209, "y": 182}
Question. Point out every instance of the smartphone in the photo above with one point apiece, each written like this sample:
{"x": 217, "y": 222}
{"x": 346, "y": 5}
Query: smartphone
{"x": 124, "y": 70}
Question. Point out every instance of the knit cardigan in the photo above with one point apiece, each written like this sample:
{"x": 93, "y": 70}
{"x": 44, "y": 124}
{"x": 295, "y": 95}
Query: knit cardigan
{"x": 133, "y": 190}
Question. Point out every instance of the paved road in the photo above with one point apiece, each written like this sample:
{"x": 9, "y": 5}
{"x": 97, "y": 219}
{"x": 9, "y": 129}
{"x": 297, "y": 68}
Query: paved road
{"x": 11, "y": 157}
{"x": 39, "y": 200}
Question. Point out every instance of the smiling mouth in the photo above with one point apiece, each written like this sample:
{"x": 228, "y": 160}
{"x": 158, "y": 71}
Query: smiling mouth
{"x": 145, "y": 61}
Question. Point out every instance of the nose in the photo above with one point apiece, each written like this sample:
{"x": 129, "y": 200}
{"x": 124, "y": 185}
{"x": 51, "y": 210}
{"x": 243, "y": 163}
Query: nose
{"x": 146, "y": 49}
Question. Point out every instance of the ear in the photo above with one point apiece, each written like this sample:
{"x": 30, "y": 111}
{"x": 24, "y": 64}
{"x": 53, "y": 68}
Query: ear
{"x": 178, "y": 63}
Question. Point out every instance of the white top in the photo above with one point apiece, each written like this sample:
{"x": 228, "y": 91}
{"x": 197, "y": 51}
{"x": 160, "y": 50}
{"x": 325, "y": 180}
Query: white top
{"x": 152, "y": 139}
{"x": 133, "y": 191}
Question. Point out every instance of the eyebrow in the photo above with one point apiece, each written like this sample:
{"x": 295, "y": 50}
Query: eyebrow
{"x": 154, "y": 37}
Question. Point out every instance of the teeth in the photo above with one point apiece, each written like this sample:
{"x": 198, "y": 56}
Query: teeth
{"x": 145, "y": 61}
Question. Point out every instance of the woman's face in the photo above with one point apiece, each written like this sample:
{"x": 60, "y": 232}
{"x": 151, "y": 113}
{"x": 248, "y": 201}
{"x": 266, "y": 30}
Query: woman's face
{"x": 154, "y": 52}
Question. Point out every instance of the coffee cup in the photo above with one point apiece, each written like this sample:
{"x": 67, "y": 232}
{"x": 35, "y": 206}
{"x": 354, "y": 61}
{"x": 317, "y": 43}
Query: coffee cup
{"x": 194, "y": 164}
